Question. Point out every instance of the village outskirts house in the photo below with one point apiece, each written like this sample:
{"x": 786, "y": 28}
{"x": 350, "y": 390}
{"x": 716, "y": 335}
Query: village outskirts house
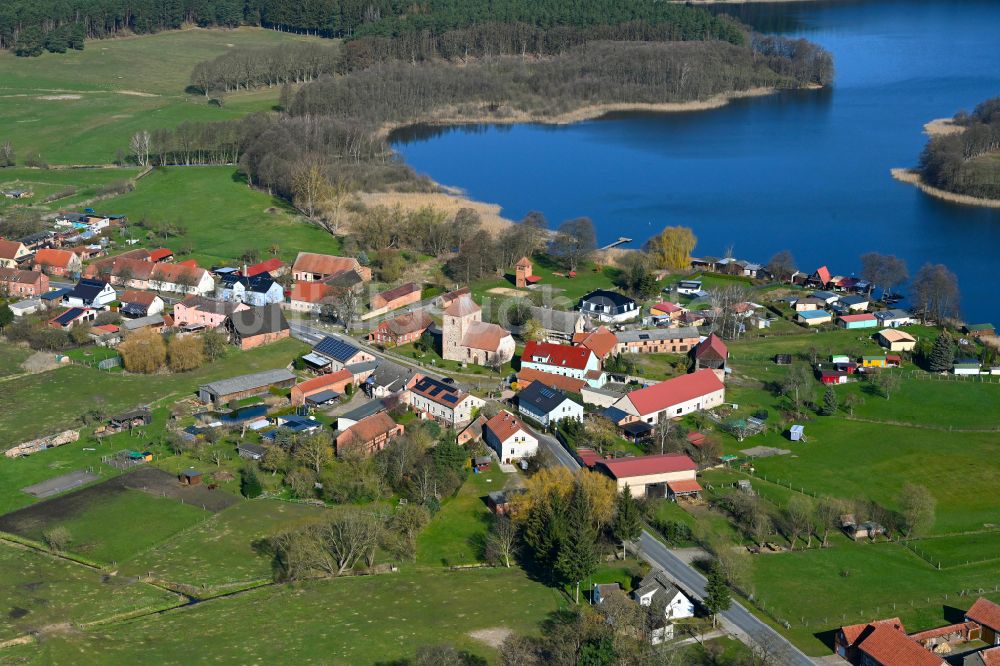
{"x": 195, "y": 311}
{"x": 257, "y": 326}
{"x": 657, "y": 341}
{"x": 657, "y": 588}
{"x": 368, "y": 436}
{"x": 576, "y": 362}
{"x": 313, "y": 267}
{"x": 445, "y": 403}
{"x": 547, "y": 405}
{"x": 12, "y": 253}
{"x": 59, "y": 263}
{"x": 673, "y": 398}
{"x": 181, "y": 279}
{"x": 986, "y": 614}
{"x": 507, "y": 435}
{"x": 20, "y": 283}
{"x": 331, "y": 354}
{"x": 608, "y": 306}
{"x": 309, "y": 296}
{"x": 397, "y": 297}
{"x": 91, "y": 294}
{"x": 257, "y": 291}
{"x": 401, "y": 330}
{"x": 140, "y": 303}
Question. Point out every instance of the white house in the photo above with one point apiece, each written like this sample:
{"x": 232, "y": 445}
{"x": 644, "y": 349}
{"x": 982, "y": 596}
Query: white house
{"x": 966, "y": 366}
{"x": 656, "y": 587}
{"x": 432, "y": 398}
{"x": 506, "y": 434}
{"x": 91, "y": 294}
{"x": 673, "y": 398}
{"x": 182, "y": 279}
{"x": 609, "y": 306}
{"x": 688, "y": 287}
{"x": 547, "y": 405}
{"x": 577, "y": 362}
{"x": 258, "y": 290}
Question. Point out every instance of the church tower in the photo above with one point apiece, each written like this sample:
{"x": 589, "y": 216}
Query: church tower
{"x": 457, "y": 318}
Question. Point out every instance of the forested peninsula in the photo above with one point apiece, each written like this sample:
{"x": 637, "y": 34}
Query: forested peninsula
{"x": 961, "y": 161}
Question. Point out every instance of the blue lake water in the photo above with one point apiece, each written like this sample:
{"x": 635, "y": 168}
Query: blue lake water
{"x": 806, "y": 171}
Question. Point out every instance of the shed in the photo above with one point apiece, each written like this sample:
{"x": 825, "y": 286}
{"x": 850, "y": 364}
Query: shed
{"x": 783, "y": 359}
{"x": 190, "y": 477}
{"x": 251, "y": 451}
{"x": 481, "y": 463}
{"x": 797, "y": 433}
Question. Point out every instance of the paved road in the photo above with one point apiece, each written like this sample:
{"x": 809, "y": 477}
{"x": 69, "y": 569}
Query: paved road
{"x": 737, "y": 620}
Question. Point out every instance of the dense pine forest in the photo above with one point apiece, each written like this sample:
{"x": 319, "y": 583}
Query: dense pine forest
{"x": 967, "y": 162}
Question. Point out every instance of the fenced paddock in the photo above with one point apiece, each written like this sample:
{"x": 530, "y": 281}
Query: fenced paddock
{"x": 61, "y": 484}
{"x": 122, "y": 460}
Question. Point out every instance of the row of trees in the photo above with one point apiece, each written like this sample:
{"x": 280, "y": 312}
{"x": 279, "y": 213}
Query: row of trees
{"x": 256, "y": 67}
{"x": 952, "y": 162}
{"x": 147, "y": 351}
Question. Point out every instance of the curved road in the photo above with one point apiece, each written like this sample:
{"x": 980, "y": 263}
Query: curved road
{"x": 737, "y": 620}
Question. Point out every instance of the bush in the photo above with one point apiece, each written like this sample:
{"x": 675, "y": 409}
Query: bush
{"x": 35, "y": 160}
{"x": 58, "y": 538}
{"x": 250, "y": 486}
{"x": 143, "y": 351}
{"x": 186, "y": 353}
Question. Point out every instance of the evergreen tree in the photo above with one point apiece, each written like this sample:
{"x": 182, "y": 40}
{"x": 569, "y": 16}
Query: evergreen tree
{"x": 545, "y": 531}
{"x": 626, "y": 525}
{"x": 6, "y": 316}
{"x": 717, "y": 595}
{"x": 250, "y": 486}
{"x": 578, "y": 557}
{"x": 449, "y": 455}
{"x": 830, "y": 402}
{"x": 942, "y": 354}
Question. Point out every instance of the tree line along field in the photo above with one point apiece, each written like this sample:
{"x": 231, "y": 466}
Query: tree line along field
{"x": 80, "y": 107}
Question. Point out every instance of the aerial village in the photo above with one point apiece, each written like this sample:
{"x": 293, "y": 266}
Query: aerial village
{"x": 713, "y": 401}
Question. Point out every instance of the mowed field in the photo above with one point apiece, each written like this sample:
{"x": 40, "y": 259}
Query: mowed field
{"x": 223, "y": 217}
{"x": 45, "y": 183}
{"x": 362, "y": 620}
{"x": 57, "y": 398}
{"x": 39, "y": 590}
{"x": 82, "y": 106}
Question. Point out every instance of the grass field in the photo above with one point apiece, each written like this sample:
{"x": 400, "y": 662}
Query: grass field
{"x": 82, "y": 106}
{"x": 223, "y": 217}
{"x": 458, "y": 531}
{"x": 39, "y": 590}
{"x": 953, "y": 551}
{"x": 858, "y": 582}
{"x": 57, "y": 398}
{"x": 11, "y": 358}
{"x": 957, "y": 403}
{"x": 363, "y": 620}
{"x": 46, "y": 183}
{"x": 221, "y": 549}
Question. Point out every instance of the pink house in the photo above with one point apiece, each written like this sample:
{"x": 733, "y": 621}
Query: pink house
{"x": 207, "y": 312}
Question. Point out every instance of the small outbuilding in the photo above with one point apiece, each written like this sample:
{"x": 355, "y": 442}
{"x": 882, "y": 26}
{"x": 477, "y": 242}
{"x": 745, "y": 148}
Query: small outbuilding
{"x": 797, "y": 433}
{"x": 896, "y": 340}
{"x": 190, "y": 477}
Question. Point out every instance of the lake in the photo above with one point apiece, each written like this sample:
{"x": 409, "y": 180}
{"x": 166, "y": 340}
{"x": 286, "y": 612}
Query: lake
{"x": 806, "y": 171}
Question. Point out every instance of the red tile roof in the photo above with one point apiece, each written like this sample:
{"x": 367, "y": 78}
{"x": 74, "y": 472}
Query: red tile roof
{"x": 684, "y": 486}
{"x": 523, "y": 262}
{"x": 664, "y": 463}
{"x": 504, "y": 425}
{"x": 589, "y": 457}
{"x": 264, "y": 267}
{"x": 400, "y": 291}
{"x": 562, "y": 356}
{"x": 190, "y": 263}
{"x": 675, "y": 391}
{"x": 480, "y": 335}
{"x": 991, "y": 656}
{"x": 310, "y": 292}
{"x": 9, "y": 249}
{"x": 139, "y": 297}
{"x": 601, "y": 341}
{"x": 858, "y": 317}
{"x": 571, "y": 384}
{"x": 853, "y": 632}
{"x": 371, "y": 427}
{"x": 160, "y": 254}
{"x": 461, "y": 306}
{"x": 986, "y": 613}
{"x": 666, "y": 306}
{"x": 713, "y": 344}
{"x": 50, "y": 257}
{"x": 320, "y": 383}
{"x": 696, "y": 438}
{"x": 891, "y": 647}
{"x": 823, "y": 274}
{"x": 323, "y": 264}
{"x": 175, "y": 273}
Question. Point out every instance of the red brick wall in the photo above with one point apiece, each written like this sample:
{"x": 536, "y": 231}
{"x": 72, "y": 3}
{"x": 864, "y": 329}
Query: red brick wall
{"x": 263, "y": 339}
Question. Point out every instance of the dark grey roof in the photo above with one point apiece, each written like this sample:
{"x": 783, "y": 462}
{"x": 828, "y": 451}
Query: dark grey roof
{"x": 87, "y": 290}
{"x": 257, "y": 321}
{"x": 322, "y": 397}
{"x": 556, "y": 320}
{"x": 364, "y": 411}
{"x": 358, "y": 368}
{"x": 541, "y": 398}
{"x": 142, "y": 322}
{"x": 253, "y": 449}
{"x": 260, "y": 284}
{"x": 210, "y": 305}
{"x": 344, "y": 279}
{"x": 257, "y": 380}
{"x": 336, "y": 349}
{"x": 389, "y": 375}
{"x": 854, "y": 300}
{"x": 658, "y": 334}
{"x": 656, "y": 579}
{"x": 602, "y": 297}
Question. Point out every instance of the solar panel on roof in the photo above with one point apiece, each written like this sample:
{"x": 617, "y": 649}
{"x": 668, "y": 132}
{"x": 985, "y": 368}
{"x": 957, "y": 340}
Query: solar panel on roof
{"x": 450, "y": 398}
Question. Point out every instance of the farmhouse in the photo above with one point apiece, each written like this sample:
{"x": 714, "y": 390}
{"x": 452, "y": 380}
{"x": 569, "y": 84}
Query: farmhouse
{"x": 73, "y": 316}
{"x": 432, "y": 398}
{"x": 140, "y": 303}
{"x": 312, "y": 267}
{"x": 986, "y": 614}
{"x": 657, "y": 341}
{"x": 814, "y": 317}
{"x": 896, "y": 340}
{"x": 332, "y": 354}
{"x": 711, "y": 353}
{"x": 656, "y": 585}
{"x": 309, "y": 296}
{"x": 650, "y": 476}
{"x": 18, "y": 283}
{"x": 62, "y": 263}
{"x": 558, "y": 325}
{"x": 91, "y": 294}
{"x": 257, "y": 326}
{"x": 402, "y": 329}
{"x": 507, "y": 435}
{"x": 202, "y": 311}
{"x": 11, "y": 253}
{"x": 181, "y": 279}
{"x": 526, "y": 376}
{"x": 257, "y": 290}
{"x": 245, "y": 386}
{"x": 576, "y": 362}
{"x": 322, "y": 389}
{"x": 468, "y": 339}
{"x": 674, "y": 397}
{"x": 547, "y": 405}
{"x": 608, "y": 306}
{"x": 369, "y": 435}
{"x": 396, "y": 297}
{"x": 601, "y": 341}
{"x": 853, "y": 321}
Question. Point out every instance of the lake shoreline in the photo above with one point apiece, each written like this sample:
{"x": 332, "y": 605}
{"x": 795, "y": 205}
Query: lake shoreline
{"x": 912, "y": 177}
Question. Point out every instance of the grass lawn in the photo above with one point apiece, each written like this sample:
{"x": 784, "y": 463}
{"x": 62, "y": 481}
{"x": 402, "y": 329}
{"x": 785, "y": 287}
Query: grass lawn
{"x": 433, "y": 359}
{"x": 223, "y": 216}
{"x": 457, "y": 533}
{"x": 80, "y": 107}
{"x": 363, "y": 620}
{"x": 40, "y": 590}
{"x": 17, "y": 473}
{"x": 820, "y": 590}
{"x": 959, "y": 404}
{"x": 221, "y": 549}
{"x": 56, "y": 399}
{"x": 11, "y": 358}
{"x": 953, "y": 551}
{"x": 626, "y": 573}
{"x": 559, "y": 291}
{"x": 46, "y": 183}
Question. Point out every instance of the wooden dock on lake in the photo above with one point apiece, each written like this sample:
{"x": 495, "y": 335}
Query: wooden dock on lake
{"x": 621, "y": 241}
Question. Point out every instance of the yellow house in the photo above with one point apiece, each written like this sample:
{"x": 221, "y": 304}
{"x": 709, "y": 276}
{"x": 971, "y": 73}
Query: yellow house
{"x": 873, "y": 361}
{"x": 11, "y": 252}
{"x": 895, "y": 340}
